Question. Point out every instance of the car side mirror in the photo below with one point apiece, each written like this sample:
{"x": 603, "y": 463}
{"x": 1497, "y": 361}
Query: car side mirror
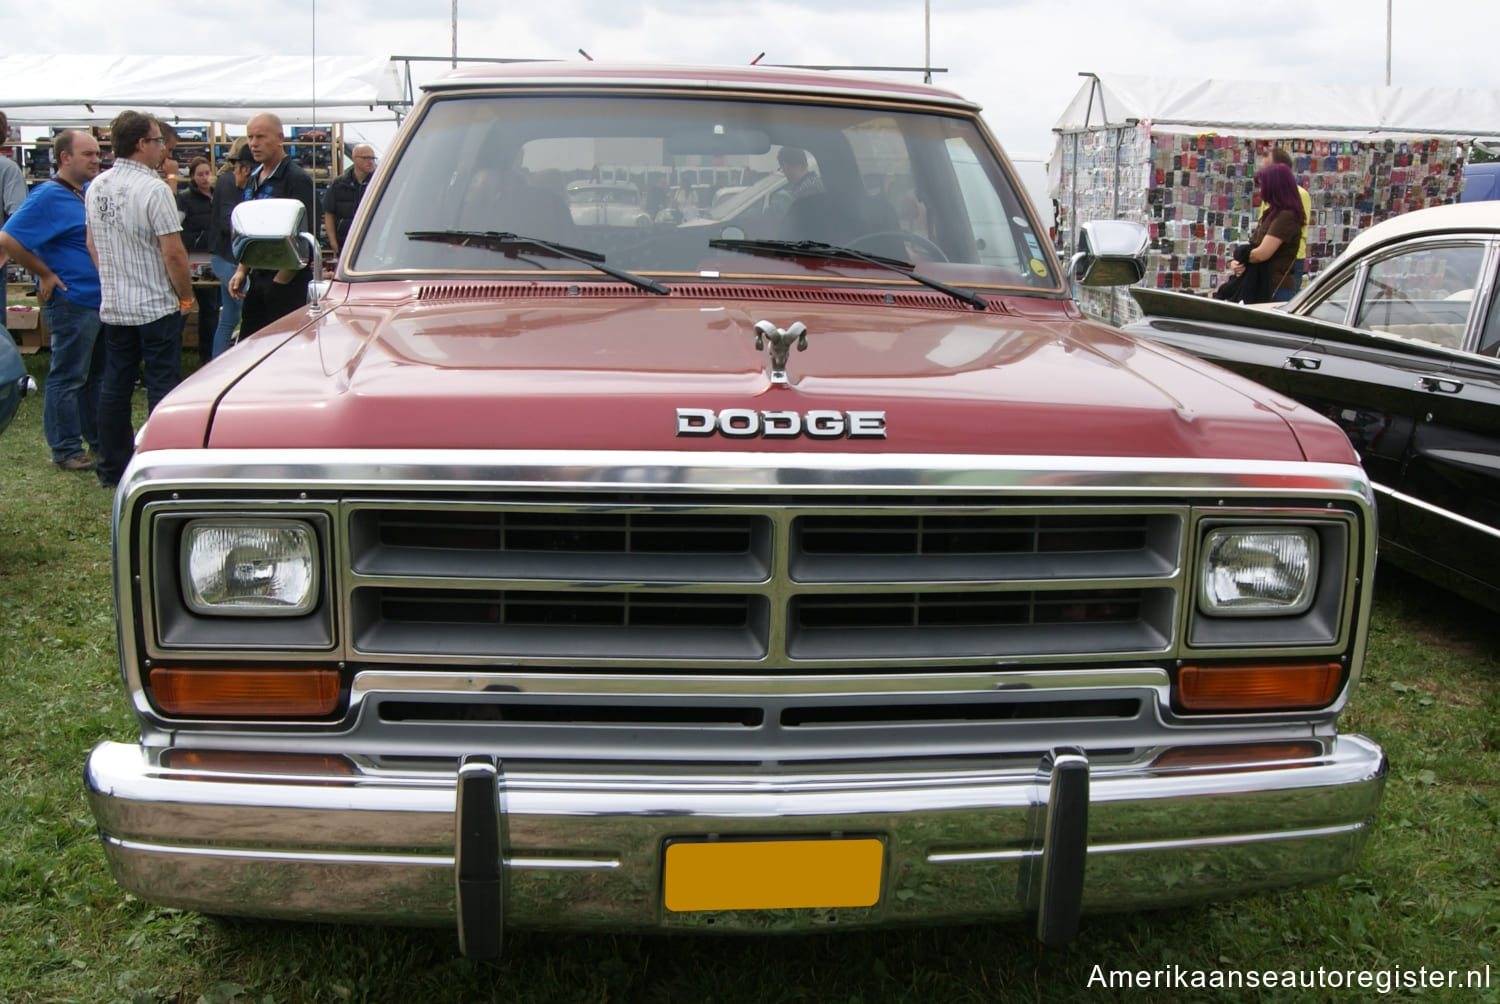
{"x": 272, "y": 233}
{"x": 1110, "y": 253}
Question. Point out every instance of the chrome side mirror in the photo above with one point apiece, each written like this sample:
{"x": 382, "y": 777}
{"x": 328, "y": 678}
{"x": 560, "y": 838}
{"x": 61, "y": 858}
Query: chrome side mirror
{"x": 1111, "y": 253}
{"x": 272, "y": 234}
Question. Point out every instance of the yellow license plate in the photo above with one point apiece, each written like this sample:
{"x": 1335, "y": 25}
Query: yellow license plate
{"x": 772, "y": 874}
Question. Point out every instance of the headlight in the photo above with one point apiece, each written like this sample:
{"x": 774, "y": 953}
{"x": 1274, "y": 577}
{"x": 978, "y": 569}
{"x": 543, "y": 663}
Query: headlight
{"x": 1258, "y": 571}
{"x": 249, "y": 569}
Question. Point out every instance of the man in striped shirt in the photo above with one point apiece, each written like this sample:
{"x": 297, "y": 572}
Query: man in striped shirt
{"x": 146, "y": 289}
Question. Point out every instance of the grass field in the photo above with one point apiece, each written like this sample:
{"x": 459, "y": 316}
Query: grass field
{"x": 1427, "y": 893}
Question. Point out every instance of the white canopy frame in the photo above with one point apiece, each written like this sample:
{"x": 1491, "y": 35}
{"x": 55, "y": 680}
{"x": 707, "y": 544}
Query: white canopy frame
{"x": 47, "y": 90}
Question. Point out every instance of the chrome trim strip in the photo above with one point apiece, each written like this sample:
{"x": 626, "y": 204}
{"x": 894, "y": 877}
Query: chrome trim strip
{"x": 1229, "y": 840}
{"x": 664, "y": 472}
{"x": 564, "y": 863}
{"x": 647, "y": 685}
{"x": 259, "y": 854}
{"x": 1448, "y": 514}
{"x": 1155, "y": 845}
{"x": 339, "y": 857}
{"x": 961, "y": 858}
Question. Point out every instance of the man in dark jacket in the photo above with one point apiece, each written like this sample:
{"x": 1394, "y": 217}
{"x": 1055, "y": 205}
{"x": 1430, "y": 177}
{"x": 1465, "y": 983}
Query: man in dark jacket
{"x": 344, "y": 194}
{"x": 267, "y": 293}
{"x": 229, "y": 191}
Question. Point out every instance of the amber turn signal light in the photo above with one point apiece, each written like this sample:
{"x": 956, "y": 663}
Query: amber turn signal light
{"x": 1261, "y": 756}
{"x": 246, "y": 693}
{"x": 1258, "y": 686}
{"x": 235, "y": 762}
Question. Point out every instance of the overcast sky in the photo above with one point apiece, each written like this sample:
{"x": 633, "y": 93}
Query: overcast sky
{"x": 1020, "y": 59}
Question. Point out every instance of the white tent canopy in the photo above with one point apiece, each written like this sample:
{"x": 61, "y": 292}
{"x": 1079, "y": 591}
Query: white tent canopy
{"x": 40, "y": 90}
{"x": 1278, "y": 109}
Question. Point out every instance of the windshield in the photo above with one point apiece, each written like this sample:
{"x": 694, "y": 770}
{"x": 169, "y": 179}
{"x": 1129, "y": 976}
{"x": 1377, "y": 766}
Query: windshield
{"x": 920, "y": 187}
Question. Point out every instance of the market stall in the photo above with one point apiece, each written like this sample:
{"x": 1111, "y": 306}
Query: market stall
{"x": 1180, "y": 157}
{"x": 46, "y": 90}
{"x": 200, "y": 96}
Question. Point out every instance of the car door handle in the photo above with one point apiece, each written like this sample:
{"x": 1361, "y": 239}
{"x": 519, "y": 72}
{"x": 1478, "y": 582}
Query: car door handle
{"x": 1440, "y": 386}
{"x": 1304, "y": 362}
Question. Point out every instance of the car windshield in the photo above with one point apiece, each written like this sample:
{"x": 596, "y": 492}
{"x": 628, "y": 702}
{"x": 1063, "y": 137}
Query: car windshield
{"x": 920, "y": 186}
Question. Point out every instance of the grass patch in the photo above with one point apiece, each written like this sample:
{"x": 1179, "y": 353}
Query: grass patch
{"x": 1427, "y": 892}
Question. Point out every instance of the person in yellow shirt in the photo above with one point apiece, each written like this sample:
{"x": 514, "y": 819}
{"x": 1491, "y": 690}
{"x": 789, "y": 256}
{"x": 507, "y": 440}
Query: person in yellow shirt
{"x": 1279, "y": 155}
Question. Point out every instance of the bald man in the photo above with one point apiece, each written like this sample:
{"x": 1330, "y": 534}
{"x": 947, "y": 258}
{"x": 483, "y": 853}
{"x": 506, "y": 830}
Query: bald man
{"x": 269, "y": 294}
{"x": 344, "y": 195}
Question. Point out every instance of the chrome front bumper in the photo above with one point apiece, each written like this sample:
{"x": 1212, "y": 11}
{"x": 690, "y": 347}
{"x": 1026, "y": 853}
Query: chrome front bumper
{"x": 586, "y": 850}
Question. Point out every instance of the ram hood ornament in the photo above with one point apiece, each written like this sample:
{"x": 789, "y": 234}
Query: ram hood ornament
{"x": 781, "y": 340}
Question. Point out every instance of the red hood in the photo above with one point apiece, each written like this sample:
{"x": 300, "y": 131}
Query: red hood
{"x": 550, "y": 373}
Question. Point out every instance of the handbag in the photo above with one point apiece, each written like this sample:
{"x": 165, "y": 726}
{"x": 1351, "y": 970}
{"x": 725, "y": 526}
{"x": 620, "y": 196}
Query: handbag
{"x": 1250, "y": 286}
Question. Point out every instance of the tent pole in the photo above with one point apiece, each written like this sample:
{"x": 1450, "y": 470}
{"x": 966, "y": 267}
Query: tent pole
{"x": 1388, "y": 42}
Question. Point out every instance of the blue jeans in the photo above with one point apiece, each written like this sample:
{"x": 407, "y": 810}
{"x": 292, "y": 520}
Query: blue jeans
{"x": 1297, "y": 271}
{"x": 158, "y": 345}
{"x": 229, "y": 307}
{"x": 12, "y": 373}
{"x": 10, "y": 399}
{"x": 70, "y": 401}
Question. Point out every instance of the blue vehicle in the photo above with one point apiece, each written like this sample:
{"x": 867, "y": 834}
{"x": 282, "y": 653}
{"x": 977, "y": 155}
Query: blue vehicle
{"x": 1481, "y": 181}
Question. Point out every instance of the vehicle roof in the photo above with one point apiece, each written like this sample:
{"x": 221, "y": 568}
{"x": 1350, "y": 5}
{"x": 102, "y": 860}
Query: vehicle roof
{"x": 1438, "y": 219}
{"x": 769, "y": 78}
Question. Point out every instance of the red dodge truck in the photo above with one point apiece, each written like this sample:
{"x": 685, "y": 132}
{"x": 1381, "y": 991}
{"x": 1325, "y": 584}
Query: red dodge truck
{"x": 788, "y": 551}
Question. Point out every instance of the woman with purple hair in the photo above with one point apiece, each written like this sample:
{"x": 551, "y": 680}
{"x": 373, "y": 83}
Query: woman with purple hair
{"x": 1274, "y": 242}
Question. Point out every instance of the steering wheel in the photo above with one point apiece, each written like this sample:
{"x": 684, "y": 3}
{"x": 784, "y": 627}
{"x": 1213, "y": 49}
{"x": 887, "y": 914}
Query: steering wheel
{"x": 933, "y": 252}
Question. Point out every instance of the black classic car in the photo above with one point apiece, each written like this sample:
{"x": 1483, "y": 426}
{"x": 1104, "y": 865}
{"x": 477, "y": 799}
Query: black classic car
{"x": 1397, "y": 342}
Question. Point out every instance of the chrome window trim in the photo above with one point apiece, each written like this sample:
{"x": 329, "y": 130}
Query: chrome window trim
{"x": 1421, "y": 243}
{"x": 700, "y": 86}
{"x": 935, "y": 103}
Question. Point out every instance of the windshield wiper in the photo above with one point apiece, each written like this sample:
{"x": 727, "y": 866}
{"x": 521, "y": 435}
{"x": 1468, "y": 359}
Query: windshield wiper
{"x": 817, "y": 249}
{"x": 511, "y": 244}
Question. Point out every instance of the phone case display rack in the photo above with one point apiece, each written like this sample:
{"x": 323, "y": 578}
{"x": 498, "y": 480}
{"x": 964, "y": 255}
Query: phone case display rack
{"x": 1196, "y": 193}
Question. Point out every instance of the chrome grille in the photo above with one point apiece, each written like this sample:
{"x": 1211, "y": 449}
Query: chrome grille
{"x": 758, "y": 584}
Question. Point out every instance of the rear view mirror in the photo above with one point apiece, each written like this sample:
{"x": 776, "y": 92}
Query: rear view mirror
{"x": 718, "y": 141}
{"x": 272, "y": 233}
{"x": 1110, "y": 253}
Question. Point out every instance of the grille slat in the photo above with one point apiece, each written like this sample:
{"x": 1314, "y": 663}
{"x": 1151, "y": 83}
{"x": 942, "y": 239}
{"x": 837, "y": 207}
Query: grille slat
{"x": 560, "y": 545}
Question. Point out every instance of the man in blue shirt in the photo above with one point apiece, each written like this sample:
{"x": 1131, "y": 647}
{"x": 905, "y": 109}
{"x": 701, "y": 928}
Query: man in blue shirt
{"x": 48, "y": 236}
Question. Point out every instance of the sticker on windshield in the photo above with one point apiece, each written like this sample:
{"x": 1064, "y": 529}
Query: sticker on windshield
{"x": 1038, "y": 267}
{"x": 1021, "y": 222}
{"x": 1036, "y": 250}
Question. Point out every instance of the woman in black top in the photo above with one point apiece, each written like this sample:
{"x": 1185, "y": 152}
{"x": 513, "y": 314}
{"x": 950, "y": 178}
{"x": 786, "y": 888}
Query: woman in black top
{"x": 196, "y": 204}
